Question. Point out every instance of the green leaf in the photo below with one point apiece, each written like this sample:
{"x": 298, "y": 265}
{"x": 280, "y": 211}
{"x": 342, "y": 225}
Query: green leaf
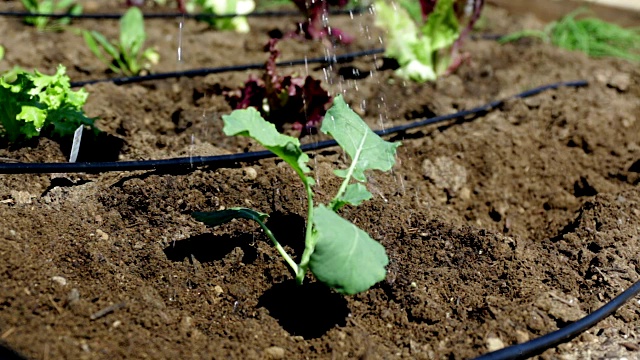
{"x": 367, "y": 150}
{"x": 215, "y": 218}
{"x": 132, "y": 35}
{"x": 96, "y": 41}
{"x": 345, "y": 257}
{"x": 35, "y": 102}
{"x": 354, "y": 195}
{"x": 249, "y": 122}
{"x": 1, "y": 52}
{"x": 422, "y": 51}
{"x": 34, "y": 117}
{"x": 442, "y": 27}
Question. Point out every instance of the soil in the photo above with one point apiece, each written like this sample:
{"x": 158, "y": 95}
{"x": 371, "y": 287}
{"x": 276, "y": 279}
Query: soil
{"x": 499, "y": 229}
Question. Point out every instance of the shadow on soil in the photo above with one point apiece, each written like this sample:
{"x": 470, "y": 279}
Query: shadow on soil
{"x": 308, "y": 310}
{"x": 208, "y": 247}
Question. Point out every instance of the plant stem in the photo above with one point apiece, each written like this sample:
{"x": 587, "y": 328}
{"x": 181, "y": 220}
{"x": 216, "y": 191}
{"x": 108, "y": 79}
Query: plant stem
{"x": 347, "y": 178}
{"x": 279, "y": 247}
{"x": 309, "y": 241}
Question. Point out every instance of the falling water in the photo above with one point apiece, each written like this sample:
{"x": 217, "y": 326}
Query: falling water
{"x": 180, "y": 29}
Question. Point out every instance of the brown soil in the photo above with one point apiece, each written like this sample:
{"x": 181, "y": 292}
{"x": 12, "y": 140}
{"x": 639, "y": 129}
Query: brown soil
{"x": 499, "y": 229}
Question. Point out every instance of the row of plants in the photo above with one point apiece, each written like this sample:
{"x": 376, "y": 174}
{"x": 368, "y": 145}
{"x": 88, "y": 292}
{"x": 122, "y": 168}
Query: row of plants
{"x": 425, "y": 41}
{"x": 423, "y": 38}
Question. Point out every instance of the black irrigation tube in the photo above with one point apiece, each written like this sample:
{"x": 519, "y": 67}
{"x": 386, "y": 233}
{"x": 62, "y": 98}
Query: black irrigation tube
{"x": 186, "y": 164}
{"x": 116, "y": 16}
{"x": 206, "y": 71}
{"x": 539, "y": 345}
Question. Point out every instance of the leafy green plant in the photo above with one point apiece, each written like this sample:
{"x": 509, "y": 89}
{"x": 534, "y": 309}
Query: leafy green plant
{"x": 33, "y": 103}
{"x": 337, "y": 252}
{"x": 50, "y": 7}
{"x": 126, "y": 56}
{"x": 425, "y": 38}
{"x": 223, "y": 7}
{"x": 595, "y": 37}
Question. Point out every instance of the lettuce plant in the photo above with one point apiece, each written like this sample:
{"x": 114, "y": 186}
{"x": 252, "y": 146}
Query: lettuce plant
{"x": 315, "y": 27}
{"x": 426, "y": 39}
{"x": 337, "y": 252}
{"x": 224, "y": 7}
{"x": 50, "y": 7}
{"x": 127, "y": 56}
{"x": 32, "y": 103}
{"x": 298, "y": 100}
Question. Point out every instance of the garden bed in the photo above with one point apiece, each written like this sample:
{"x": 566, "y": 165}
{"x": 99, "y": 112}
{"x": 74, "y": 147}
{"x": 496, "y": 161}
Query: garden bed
{"x": 499, "y": 229}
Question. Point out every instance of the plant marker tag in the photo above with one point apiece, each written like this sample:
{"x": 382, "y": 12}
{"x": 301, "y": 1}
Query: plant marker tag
{"x": 75, "y": 147}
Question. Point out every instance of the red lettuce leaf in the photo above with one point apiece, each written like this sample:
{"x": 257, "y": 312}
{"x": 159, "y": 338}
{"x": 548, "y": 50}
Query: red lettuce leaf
{"x": 300, "y": 101}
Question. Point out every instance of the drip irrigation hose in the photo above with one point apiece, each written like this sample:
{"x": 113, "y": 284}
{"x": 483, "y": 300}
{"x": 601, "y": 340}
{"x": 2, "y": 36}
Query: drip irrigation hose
{"x": 206, "y": 71}
{"x": 116, "y": 16}
{"x": 186, "y": 164}
{"x": 539, "y": 345}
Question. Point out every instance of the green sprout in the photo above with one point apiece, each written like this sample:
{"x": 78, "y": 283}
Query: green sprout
{"x": 337, "y": 252}
{"x": 50, "y": 7}
{"x": 594, "y": 37}
{"x": 127, "y": 56}
{"x": 31, "y": 103}
{"x": 1, "y": 52}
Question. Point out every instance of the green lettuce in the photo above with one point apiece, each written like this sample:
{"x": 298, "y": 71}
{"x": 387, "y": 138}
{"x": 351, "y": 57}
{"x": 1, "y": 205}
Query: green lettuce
{"x": 425, "y": 41}
{"x": 224, "y": 7}
{"x": 31, "y": 103}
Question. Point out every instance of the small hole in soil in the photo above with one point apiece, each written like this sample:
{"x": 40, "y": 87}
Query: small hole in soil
{"x": 583, "y": 188}
{"x": 308, "y": 310}
{"x": 209, "y": 247}
{"x": 635, "y": 167}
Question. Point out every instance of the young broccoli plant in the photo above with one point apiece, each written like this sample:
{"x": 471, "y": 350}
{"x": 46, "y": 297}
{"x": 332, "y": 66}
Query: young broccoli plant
{"x": 50, "y": 7}
{"x": 300, "y": 101}
{"x": 337, "y": 252}
{"x": 31, "y": 103}
{"x": 224, "y": 7}
{"x": 127, "y": 56}
{"x": 425, "y": 39}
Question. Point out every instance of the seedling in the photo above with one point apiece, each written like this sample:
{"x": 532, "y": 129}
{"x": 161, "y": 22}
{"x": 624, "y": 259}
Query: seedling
{"x": 337, "y": 252}
{"x": 425, "y": 39}
{"x": 50, "y": 7}
{"x": 594, "y": 37}
{"x": 32, "y": 103}
{"x": 298, "y": 100}
{"x": 1, "y": 52}
{"x": 223, "y": 7}
{"x": 127, "y": 56}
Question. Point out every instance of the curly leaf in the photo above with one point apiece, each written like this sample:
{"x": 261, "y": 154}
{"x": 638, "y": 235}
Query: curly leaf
{"x": 367, "y": 150}
{"x": 35, "y": 102}
{"x": 345, "y": 257}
